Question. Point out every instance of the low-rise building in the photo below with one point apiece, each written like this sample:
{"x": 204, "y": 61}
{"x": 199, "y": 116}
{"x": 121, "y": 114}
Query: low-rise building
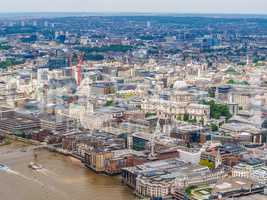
{"x": 177, "y": 110}
{"x": 159, "y": 179}
{"x": 227, "y": 188}
{"x": 245, "y": 168}
{"x": 260, "y": 175}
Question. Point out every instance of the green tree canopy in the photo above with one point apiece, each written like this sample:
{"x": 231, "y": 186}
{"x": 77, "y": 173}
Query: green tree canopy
{"x": 218, "y": 110}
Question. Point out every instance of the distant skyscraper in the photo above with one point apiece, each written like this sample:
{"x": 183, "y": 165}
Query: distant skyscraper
{"x": 148, "y": 24}
{"x": 11, "y": 24}
{"x": 248, "y": 61}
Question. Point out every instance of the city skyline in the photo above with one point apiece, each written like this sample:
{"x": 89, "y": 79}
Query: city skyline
{"x": 156, "y": 6}
{"x": 115, "y": 99}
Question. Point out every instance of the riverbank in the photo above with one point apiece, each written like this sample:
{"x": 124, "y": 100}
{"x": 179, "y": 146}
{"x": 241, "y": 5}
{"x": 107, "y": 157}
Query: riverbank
{"x": 5, "y": 142}
{"x": 62, "y": 177}
{"x": 24, "y": 140}
{"x": 13, "y": 145}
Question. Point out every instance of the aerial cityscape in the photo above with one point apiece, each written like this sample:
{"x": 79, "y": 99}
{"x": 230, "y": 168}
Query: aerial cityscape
{"x": 131, "y": 103}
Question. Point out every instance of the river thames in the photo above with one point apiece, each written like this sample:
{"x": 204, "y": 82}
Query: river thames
{"x": 62, "y": 178}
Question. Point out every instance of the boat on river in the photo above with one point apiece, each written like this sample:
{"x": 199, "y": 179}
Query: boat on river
{"x": 35, "y": 166}
{"x": 3, "y": 167}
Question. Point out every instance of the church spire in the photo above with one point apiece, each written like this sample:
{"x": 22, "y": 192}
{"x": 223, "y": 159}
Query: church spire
{"x": 157, "y": 132}
{"x": 218, "y": 159}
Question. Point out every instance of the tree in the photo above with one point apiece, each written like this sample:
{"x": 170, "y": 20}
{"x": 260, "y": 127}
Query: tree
{"x": 94, "y": 57}
{"x": 104, "y": 49}
{"x": 150, "y": 114}
{"x": 4, "y": 46}
{"x": 218, "y": 110}
{"x": 202, "y": 121}
{"x": 186, "y": 117}
{"x": 214, "y": 127}
{"x": 207, "y": 163}
{"x": 231, "y": 81}
{"x": 109, "y": 103}
{"x": 189, "y": 189}
{"x": 31, "y": 39}
{"x": 179, "y": 118}
{"x": 9, "y": 62}
{"x": 211, "y": 93}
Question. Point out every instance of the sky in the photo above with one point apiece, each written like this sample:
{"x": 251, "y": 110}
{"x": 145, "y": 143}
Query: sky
{"x": 163, "y": 6}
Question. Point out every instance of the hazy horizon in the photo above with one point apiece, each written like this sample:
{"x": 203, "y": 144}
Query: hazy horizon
{"x": 256, "y": 7}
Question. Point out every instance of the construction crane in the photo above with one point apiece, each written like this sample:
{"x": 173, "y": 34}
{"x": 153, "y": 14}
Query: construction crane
{"x": 79, "y": 69}
{"x": 70, "y": 66}
{"x": 76, "y": 72}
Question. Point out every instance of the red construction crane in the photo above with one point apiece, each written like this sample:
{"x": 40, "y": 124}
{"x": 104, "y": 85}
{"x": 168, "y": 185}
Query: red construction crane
{"x": 79, "y": 68}
{"x": 71, "y": 66}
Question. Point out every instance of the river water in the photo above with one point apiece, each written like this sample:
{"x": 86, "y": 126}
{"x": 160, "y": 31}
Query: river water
{"x": 62, "y": 178}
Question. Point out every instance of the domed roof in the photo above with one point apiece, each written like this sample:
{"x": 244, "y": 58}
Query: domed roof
{"x": 256, "y": 103}
{"x": 180, "y": 84}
